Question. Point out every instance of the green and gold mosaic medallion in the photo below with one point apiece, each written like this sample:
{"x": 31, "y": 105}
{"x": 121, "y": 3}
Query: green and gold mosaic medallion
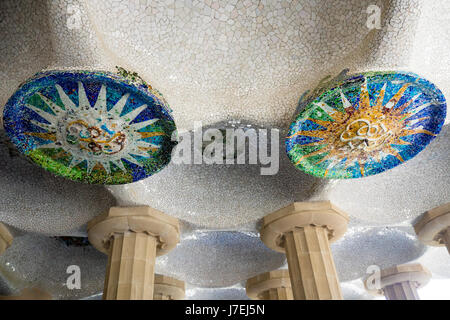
{"x": 93, "y": 127}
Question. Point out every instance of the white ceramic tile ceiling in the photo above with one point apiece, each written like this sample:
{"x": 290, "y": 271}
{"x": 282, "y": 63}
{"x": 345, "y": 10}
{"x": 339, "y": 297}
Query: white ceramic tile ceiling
{"x": 216, "y": 61}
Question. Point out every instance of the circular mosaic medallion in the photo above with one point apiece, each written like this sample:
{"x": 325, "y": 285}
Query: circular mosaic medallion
{"x": 365, "y": 124}
{"x": 94, "y": 127}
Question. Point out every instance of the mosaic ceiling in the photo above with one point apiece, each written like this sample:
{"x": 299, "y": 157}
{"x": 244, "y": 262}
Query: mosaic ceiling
{"x": 220, "y": 62}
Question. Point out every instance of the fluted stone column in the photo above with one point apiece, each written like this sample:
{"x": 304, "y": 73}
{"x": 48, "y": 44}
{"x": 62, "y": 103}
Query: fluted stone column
{"x": 304, "y": 230}
{"x": 168, "y": 288}
{"x": 434, "y": 227}
{"x": 273, "y": 285}
{"x": 130, "y": 266}
{"x": 401, "y": 291}
{"x": 132, "y": 237}
{"x": 5, "y": 238}
{"x": 399, "y": 282}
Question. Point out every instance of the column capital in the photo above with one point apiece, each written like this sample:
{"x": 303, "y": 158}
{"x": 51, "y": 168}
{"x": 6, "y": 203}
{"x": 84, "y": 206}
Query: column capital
{"x": 142, "y": 219}
{"x": 5, "y": 238}
{"x": 301, "y": 214}
{"x": 431, "y": 228}
{"x": 168, "y": 287}
{"x": 414, "y": 273}
{"x": 265, "y": 281}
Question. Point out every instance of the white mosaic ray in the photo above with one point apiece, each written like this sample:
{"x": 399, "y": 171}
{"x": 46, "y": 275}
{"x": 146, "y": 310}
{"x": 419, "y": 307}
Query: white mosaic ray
{"x": 100, "y": 104}
{"x": 118, "y": 107}
{"x": 344, "y": 99}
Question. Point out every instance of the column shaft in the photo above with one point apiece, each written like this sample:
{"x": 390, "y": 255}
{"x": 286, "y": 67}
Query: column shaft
{"x": 401, "y": 291}
{"x": 311, "y": 266}
{"x": 130, "y": 271}
{"x": 277, "y": 294}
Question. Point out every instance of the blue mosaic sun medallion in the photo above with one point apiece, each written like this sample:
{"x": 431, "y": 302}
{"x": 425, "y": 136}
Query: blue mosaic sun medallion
{"x": 363, "y": 124}
{"x": 93, "y": 127}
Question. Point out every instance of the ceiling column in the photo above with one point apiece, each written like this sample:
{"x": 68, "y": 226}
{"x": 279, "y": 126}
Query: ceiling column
{"x": 132, "y": 237}
{"x": 399, "y": 282}
{"x": 273, "y": 285}
{"x": 304, "y": 230}
{"x": 433, "y": 228}
{"x": 168, "y": 288}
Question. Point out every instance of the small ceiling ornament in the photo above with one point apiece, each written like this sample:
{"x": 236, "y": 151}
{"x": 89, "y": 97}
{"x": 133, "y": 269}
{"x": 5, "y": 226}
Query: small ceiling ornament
{"x": 359, "y": 125}
{"x": 91, "y": 126}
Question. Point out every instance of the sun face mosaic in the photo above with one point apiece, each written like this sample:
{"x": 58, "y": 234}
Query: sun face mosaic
{"x": 365, "y": 124}
{"x": 94, "y": 127}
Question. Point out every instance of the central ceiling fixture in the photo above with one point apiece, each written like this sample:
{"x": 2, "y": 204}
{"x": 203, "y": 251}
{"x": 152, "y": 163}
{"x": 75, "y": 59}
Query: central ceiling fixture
{"x": 364, "y": 124}
{"x": 94, "y": 127}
